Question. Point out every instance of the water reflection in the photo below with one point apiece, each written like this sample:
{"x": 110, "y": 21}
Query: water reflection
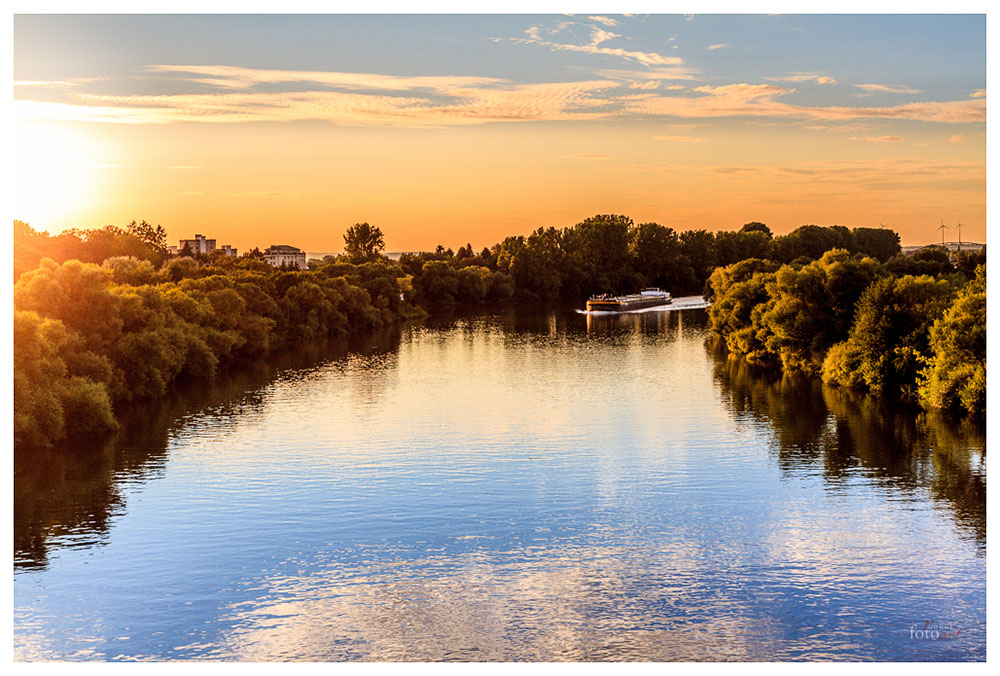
{"x": 512, "y": 486}
{"x": 67, "y": 496}
{"x": 844, "y": 432}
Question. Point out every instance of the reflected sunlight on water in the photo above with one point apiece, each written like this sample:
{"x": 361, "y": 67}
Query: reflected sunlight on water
{"x": 517, "y": 486}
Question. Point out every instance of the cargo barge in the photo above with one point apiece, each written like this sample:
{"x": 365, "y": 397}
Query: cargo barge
{"x": 651, "y": 297}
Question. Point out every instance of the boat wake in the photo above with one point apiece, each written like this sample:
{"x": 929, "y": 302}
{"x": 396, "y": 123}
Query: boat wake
{"x": 682, "y": 303}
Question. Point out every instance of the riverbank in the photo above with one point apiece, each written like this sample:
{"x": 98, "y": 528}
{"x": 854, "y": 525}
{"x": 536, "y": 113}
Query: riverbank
{"x": 855, "y": 323}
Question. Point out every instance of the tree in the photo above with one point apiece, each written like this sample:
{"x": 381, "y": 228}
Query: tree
{"x": 811, "y": 308}
{"x": 955, "y": 377}
{"x": 153, "y": 237}
{"x": 740, "y": 295}
{"x": 756, "y": 226}
{"x": 698, "y": 247}
{"x": 363, "y": 243}
{"x": 880, "y": 243}
{"x": 812, "y": 241}
{"x": 889, "y": 341}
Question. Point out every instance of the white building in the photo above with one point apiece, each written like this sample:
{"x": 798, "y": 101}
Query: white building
{"x": 282, "y": 254}
{"x": 200, "y": 245}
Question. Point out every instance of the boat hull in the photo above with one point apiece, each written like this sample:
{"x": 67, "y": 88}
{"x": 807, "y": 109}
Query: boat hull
{"x": 625, "y": 304}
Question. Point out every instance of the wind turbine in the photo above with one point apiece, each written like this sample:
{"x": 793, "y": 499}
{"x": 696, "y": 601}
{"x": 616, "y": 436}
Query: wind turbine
{"x": 942, "y": 228}
{"x": 959, "y": 235}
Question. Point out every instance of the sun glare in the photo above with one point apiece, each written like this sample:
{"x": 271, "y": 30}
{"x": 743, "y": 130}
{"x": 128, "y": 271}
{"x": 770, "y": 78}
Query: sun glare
{"x": 57, "y": 174}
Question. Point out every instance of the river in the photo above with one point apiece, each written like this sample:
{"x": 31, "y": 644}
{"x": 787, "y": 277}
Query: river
{"x": 521, "y": 485}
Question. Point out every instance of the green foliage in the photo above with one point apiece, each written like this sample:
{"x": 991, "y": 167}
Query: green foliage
{"x": 812, "y": 241}
{"x": 756, "y": 226}
{"x": 879, "y": 243}
{"x": 444, "y": 284}
{"x": 890, "y": 336}
{"x": 363, "y": 243}
{"x": 58, "y": 385}
{"x": 92, "y": 337}
{"x": 731, "y": 247}
{"x": 740, "y": 294}
{"x": 849, "y": 319}
{"x": 130, "y": 270}
{"x": 811, "y": 308}
{"x": 955, "y": 377}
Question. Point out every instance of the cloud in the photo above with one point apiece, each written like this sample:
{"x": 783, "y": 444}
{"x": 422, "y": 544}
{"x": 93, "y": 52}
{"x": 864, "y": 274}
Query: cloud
{"x": 607, "y": 21}
{"x": 235, "y": 77}
{"x": 877, "y": 139}
{"x": 598, "y": 36}
{"x": 979, "y": 94}
{"x": 681, "y": 139}
{"x": 892, "y": 89}
{"x": 720, "y": 45}
{"x": 59, "y": 84}
{"x": 409, "y": 101}
{"x": 264, "y": 95}
{"x": 818, "y": 78}
{"x": 645, "y": 58}
{"x": 761, "y": 100}
{"x": 657, "y": 73}
{"x": 591, "y": 156}
{"x": 962, "y": 138}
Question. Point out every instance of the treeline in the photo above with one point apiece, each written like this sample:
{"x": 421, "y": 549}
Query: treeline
{"x": 89, "y": 339}
{"x": 862, "y": 323}
{"x": 611, "y": 254}
{"x": 104, "y": 317}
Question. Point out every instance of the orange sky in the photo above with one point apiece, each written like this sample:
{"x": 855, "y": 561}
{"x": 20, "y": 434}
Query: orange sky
{"x": 253, "y": 156}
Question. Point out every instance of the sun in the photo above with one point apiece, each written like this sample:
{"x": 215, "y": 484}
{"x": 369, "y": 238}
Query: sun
{"x": 58, "y": 174}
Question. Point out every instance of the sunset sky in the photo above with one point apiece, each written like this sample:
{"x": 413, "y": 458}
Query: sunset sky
{"x": 451, "y": 129}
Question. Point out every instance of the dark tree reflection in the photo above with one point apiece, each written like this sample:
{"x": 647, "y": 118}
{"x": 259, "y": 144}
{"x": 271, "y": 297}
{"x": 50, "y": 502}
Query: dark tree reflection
{"x": 68, "y": 495}
{"x": 843, "y": 432}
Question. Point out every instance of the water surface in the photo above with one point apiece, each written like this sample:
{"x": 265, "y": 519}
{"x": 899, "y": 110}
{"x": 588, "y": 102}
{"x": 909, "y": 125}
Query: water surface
{"x": 516, "y": 486}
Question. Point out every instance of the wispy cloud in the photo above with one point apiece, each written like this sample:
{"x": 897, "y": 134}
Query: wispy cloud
{"x": 388, "y": 100}
{"x": 240, "y": 95}
{"x": 720, "y": 45}
{"x": 818, "y": 78}
{"x": 962, "y": 138}
{"x": 607, "y": 21}
{"x": 235, "y": 77}
{"x": 978, "y": 94}
{"x": 657, "y": 73}
{"x": 761, "y": 100}
{"x": 648, "y": 84}
{"x": 891, "y": 89}
{"x": 598, "y": 36}
{"x": 59, "y": 84}
{"x": 877, "y": 139}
